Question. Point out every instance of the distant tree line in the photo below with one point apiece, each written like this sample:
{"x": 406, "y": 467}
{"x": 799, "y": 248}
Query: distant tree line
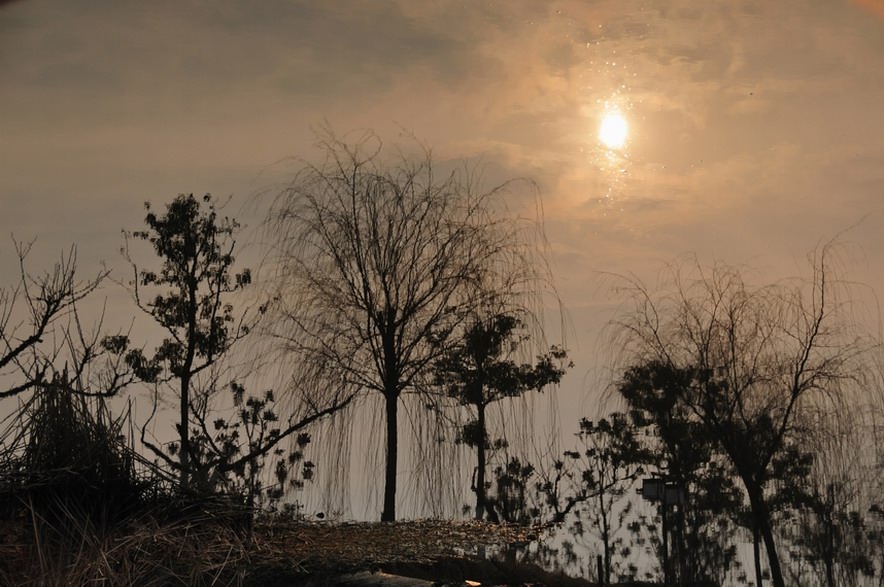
{"x": 748, "y": 414}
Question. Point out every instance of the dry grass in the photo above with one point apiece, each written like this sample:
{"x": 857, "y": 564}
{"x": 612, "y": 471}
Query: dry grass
{"x": 359, "y": 545}
{"x": 142, "y": 552}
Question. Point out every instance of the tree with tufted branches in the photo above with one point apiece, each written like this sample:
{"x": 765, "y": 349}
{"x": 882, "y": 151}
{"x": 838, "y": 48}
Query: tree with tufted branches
{"x": 480, "y": 370}
{"x": 188, "y": 297}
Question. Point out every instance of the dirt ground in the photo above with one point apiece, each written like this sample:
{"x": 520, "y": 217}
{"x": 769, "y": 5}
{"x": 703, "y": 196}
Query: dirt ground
{"x": 211, "y": 551}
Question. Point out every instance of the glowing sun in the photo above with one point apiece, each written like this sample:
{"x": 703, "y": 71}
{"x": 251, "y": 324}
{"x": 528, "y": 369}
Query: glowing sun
{"x": 613, "y": 130}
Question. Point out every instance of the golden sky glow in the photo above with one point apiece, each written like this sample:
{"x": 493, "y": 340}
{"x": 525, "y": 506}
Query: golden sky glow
{"x": 753, "y": 128}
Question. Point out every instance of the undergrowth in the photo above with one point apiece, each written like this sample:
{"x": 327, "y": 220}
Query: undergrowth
{"x": 78, "y": 505}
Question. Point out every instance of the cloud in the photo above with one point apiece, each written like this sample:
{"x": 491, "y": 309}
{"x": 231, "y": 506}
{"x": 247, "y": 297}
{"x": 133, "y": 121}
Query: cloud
{"x": 198, "y": 90}
{"x": 181, "y": 59}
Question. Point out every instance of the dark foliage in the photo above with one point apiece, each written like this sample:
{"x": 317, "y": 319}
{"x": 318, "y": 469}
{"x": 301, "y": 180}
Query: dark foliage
{"x": 479, "y": 371}
{"x": 190, "y": 302}
{"x": 678, "y": 447}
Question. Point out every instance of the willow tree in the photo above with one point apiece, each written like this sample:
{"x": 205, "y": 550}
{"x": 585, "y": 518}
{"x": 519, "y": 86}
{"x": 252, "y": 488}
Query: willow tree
{"x": 756, "y": 359}
{"x": 378, "y": 264}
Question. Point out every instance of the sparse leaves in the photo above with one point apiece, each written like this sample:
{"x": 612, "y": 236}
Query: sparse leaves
{"x": 232, "y": 454}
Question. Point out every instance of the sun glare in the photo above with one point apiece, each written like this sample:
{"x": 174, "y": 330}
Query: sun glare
{"x": 613, "y": 130}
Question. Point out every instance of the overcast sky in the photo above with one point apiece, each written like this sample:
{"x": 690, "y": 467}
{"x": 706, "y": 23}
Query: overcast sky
{"x": 756, "y": 128}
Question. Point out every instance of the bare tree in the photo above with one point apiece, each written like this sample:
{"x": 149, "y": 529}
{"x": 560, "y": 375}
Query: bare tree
{"x": 760, "y": 357}
{"x": 30, "y": 311}
{"x": 378, "y": 264}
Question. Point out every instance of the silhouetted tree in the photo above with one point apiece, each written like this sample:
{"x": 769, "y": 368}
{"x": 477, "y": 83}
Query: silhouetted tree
{"x": 378, "y": 264}
{"x": 193, "y": 283}
{"x": 233, "y": 452}
{"x": 605, "y": 466}
{"x": 757, "y": 357}
{"x": 192, "y": 298}
{"x": 30, "y": 311}
{"x": 676, "y": 446}
{"x": 479, "y": 371}
{"x": 826, "y": 489}
{"x": 511, "y": 494}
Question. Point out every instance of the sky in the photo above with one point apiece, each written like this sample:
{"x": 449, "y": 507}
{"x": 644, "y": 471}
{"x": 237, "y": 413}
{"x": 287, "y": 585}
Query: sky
{"x": 756, "y": 128}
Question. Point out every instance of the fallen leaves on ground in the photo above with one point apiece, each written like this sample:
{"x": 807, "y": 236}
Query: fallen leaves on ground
{"x": 345, "y": 545}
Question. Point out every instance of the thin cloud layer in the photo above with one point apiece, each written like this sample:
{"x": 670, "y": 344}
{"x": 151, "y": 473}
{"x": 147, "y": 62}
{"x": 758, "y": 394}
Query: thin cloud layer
{"x": 754, "y": 126}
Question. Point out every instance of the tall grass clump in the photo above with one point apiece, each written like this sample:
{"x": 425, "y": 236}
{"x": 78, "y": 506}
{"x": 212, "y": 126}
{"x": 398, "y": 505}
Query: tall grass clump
{"x": 79, "y": 505}
{"x": 69, "y": 477}
{"x": 75, "y": 463}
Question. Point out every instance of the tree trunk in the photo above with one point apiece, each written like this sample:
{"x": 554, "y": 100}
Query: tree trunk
{"x": 762, "y": 523}
{"x": 773, "y": 559}
{"x": 679, "y": 530}
{"x": 756, "y": 554}
{"x": 186, "y": 375}
{"x": 830, "y": 570}
{"x": 665, "y": 535}
{"x": 606, "y": 540}
{"x": 389, "y": 512}
{"x": 481, "y": 499}
{"x": 829, "y": 525}
{"x": 184, "y": 433}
